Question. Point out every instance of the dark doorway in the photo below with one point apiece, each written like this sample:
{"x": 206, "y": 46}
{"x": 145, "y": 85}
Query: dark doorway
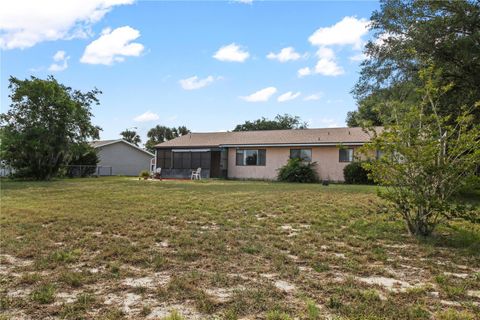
{"x": 215, "y": 165}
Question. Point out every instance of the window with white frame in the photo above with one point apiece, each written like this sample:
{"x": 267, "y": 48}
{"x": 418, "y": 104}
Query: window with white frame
{"x": 346, "y": 154}
{"x": 302, "y": 154}
{"x": 251, "y": 157}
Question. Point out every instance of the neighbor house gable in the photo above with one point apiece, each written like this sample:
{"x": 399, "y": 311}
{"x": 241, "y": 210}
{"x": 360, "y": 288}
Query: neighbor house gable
{"x": 102, "y": 143}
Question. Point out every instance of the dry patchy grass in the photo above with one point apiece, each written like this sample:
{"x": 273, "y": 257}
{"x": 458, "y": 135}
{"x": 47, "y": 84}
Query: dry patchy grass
{"x": 113, "y": 248}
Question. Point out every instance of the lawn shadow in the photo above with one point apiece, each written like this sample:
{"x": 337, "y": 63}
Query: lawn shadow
{"x": 456, "y": 237}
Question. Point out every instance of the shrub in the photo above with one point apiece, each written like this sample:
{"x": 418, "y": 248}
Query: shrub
{"x": 44, "y": 294}
{"x": 174, "y": 315}
{"x": 73, "y": 279}
{"x": 277, "y": 315}
{"x": 144, "y": 174}
{"x": 297, "y": 170}
{"x": 355, "y": 173}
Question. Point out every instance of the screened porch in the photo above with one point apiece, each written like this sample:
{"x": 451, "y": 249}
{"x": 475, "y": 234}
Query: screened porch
{"x": 179, "y": 163}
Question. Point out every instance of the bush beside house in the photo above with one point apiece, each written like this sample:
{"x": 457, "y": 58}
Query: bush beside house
{"x": 355, "y": 173}
{"x": 297, "y": 170}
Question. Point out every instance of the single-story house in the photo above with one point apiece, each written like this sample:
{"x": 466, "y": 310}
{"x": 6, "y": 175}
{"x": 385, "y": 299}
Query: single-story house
{"x": 124, "y": 158}
{"x": 259, "y": 154}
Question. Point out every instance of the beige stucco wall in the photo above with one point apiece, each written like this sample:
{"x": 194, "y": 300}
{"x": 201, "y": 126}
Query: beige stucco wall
{"x": 327, "y": 158}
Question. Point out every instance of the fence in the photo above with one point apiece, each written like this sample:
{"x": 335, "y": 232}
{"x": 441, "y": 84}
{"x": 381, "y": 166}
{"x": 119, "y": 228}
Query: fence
{"x": 87, "y": 171}
{"x": 69, "y": 171}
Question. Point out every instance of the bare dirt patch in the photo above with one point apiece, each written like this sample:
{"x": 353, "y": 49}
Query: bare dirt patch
{"x": 158, "y": 279}
{"x": 162, "y": 311}
{"x": 387, "y": 283}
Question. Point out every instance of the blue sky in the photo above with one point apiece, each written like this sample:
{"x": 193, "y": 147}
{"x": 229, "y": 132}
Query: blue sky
{"x": 206, "y": 65}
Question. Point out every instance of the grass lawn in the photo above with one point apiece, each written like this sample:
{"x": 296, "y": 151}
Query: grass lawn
{"x": 113, "y": 248}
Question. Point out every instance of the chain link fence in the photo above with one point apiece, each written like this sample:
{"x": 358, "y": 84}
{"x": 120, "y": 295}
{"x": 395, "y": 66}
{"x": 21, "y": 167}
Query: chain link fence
{"x": 74, "y": 171}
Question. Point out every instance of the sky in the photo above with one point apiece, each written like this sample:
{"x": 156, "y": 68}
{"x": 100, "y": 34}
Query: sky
{"x": 208, "y": 65}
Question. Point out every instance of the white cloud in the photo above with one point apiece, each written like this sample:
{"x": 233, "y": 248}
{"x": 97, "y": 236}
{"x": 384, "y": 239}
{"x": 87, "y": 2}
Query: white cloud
{"x": 232, "y": 53}
{"x": 24, "y": 23}
{"x": 286, "y": 54}
{"x": 328, "y": 67}
{"x": 358, "y": 57}
{"x": 113, "y": 46}
{"x": 325, "y": 53}
{"x": 60, "y": 62}
{"x": 261, "y": 95}
{"x": 348, "y": 31}
{"x": 304, "y": 72}
{"x": 244, "y": 1}
{"x": 328, "y": 123}
{"x": 287, "y": 96}
{"x": 146, "y": 117}
{"x": 195, "y": 82}
{"x": 313, "y": 97}
{"x": 326, "y": 64}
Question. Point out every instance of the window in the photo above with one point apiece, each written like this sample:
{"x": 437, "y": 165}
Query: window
{"x": 164, "y": 158}
{"x": 302, "y": 154}
{"x": 346, "y": 155}
{"x": 251, "y": 157}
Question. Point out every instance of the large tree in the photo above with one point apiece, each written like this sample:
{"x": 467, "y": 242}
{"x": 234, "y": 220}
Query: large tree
{"x": 131, "y": 136}
{"x": 160, "y": 134}
{"x": 44, "y": 125}
{"x": 410, "y": 36}
{"x": 280, "y": 122}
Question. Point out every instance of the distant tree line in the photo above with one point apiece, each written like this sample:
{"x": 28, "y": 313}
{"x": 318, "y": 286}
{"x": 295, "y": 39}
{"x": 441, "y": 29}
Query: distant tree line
{"x": 155, "y": 135}
{"x": 280, "y": 122}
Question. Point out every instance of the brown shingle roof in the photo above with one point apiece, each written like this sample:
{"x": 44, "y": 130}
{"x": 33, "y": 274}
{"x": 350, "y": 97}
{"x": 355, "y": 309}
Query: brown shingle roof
{"x": 270, "y": 137}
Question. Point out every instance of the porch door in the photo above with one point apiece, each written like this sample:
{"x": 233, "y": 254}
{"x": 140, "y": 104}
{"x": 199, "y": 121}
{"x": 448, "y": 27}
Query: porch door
{"x": 215, "y": 165}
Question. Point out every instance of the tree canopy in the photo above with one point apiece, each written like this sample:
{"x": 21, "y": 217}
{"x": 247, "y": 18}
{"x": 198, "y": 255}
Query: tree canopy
{"x": 44, "y": 125}
{"x": 280, "y": 122}
{"x": 160, "y": 134}
{"x": 410, "y": 36}
{"x": 131, "y": 136}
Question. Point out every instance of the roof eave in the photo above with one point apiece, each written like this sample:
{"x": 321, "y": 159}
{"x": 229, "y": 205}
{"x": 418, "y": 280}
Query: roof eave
{"x": 242, "y": 145}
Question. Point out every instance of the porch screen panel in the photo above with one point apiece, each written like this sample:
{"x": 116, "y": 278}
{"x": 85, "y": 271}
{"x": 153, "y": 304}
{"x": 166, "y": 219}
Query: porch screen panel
{"x": 186, "y": 160}
{"x": 168, "y": 158}
{"x": 164, "y": 158}
{"x": 205, "y": 160}
{"x": 196, "y": 160}
{"x": 177, "y": 160}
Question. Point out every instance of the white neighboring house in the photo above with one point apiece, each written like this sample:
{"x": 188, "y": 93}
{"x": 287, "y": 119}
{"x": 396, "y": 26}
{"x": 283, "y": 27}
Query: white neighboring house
{"x": 125, "y": 158}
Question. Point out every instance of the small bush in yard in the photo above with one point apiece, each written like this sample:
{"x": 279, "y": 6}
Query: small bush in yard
{"x": 44, "y": 294}
{"x": 355, "y": 173}
{"x": 144, "y": 174}
{"x": 277, "y": 315}
{"x": 297, "y": 170}
{"x": 174, "y": 315}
